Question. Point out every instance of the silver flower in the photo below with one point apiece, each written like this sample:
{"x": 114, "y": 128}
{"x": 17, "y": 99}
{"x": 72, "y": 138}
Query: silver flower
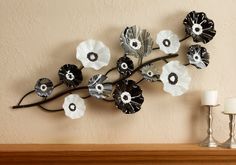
{"x": 150, "y": 73}
{"x": 98, "y": 88}
{"x": 198, "y": 56}
{"x": 43, "y": 87}
{"x": 136, "y": 41}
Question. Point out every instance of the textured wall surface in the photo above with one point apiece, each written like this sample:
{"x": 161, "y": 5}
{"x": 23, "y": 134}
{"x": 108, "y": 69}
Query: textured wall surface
{"x": 39, "y": 36}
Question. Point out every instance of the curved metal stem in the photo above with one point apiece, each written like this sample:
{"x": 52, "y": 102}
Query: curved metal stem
{"x": 25, "y": 96}
{"x": 49, "y": 99}
{"x": 185, "y": 38}
{"x": 108, "y": 100}
{"x": 110, "y": 70}
{"x": 50, "y": 110}
{"x": 156, "y": 48}
{"x": 166, "y": 61}
{"x": 33, "y": 92}
{"x": 140, "y": 81}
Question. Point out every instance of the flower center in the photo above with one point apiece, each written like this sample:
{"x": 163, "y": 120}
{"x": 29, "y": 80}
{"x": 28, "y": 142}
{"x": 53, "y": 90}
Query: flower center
{"x": 173, "y": 78}
{"x": 135, "y": 44}
{"x": 125, "y": 97}
{"x": 70, "y": 76}
{"x": 99, "y": 88}
{"x": 124, "y": 65}
{"x": 196, "y": 57}
{"x": 72, "y": 107}
{"x": 150, "y": 73}
{"x": 43, "y": 87}
{"x": 92, "y": 56}
{"x": 166, "y": 42}
{"x": 197, "y": 29}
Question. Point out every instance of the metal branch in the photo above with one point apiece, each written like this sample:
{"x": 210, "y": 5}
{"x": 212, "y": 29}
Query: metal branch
{"x": 110, "y": 70}
{"x": 50, "y": 99}
{"x": 185, "y": 38}
{"x": 140, "y": 81}
{"x": 49, "y": 110}
{"x": 25, "y": 96}
{"x": 33, "y": 92}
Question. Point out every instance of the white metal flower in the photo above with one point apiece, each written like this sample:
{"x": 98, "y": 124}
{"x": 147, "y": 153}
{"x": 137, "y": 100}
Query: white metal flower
{"x": 168, "y": 41}
{"x": 175, "y": 78}
{"x": 93, "y": 54}
{"x": 74, "y": 106}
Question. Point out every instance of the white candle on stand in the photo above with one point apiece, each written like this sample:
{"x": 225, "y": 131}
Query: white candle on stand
{"x": 210, "y": 97}
{"x": 230, "y": 106}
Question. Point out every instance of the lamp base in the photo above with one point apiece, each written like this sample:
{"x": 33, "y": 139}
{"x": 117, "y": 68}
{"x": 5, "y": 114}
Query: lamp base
{"x": 230, "y": 143}
{"x": 209, "y": 141}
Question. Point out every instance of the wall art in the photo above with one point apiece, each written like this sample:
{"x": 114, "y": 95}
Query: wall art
{"x": 124, "y": 92}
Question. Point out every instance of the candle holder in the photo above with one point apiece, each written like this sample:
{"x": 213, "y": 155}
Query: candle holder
{"x": 210, "y": 141}
{"x": 231, "y": 142}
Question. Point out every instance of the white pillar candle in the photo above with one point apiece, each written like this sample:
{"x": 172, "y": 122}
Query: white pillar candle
{"x": 230, "y": 106}
{"x": 209, "y": 97}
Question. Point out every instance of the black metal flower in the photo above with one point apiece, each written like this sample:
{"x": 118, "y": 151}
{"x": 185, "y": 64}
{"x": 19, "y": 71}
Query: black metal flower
{"x": 136, "y": 41}
{"x": 198, "y": 56}
{"x": 128, "y": 96}
{"x": 98, "y": 88}
{"x": 43, "y": 87}
{"x": 150, "y": 73}
{"x": 70, "y": 74}
{"x": 199, "y": 27}
{"x": 125, "y": 66}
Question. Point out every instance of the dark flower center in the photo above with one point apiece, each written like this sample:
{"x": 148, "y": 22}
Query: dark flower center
{"x": 197, "y": 29}
{"x": 173, "y": 78}
{"x": 92, "y": 56}
{"x": 150, "y": 73}
{"x": 135, "y": 44}
{"x": 72, "y": 107}
{"x": 166, "y": 42}
{"x": 125, "y": 97}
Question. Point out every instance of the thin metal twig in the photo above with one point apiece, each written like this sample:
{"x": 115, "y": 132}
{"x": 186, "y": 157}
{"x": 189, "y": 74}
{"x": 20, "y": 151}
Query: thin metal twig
{"x": 140, "y": 81}
{"x": 50, "y": 110}
{"x": 50, "y": 99}
{"x": 183, "y": 39}
{"x": 110, "y": 70}
{"x": 24, "y": 97}
{"x": 108, "y": 100}
{"x": 156, "y": 48}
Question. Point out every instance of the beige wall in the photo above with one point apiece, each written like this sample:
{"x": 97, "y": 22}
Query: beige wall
{"x": 38, "y": 36}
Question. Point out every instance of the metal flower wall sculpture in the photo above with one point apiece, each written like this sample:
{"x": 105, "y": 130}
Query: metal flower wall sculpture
{"x": 124, "y": 92}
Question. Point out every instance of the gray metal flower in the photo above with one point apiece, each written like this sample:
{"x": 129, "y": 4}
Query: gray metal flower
{"x": 150, "y": 73}
{"x": 198, "y": 56}
{"x": 43, "y": 87}
{"x": 136, "y": 41}
{"x": 98, "y": 88}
